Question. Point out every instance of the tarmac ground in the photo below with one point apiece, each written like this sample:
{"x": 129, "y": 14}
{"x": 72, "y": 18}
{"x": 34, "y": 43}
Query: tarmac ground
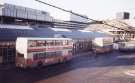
{"x": 112, "y": 67}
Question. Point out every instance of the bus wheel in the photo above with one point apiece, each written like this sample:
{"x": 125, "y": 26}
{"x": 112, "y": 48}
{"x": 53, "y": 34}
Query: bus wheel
{"x": 19, "y": 69}
{"x": 40, "y": 64}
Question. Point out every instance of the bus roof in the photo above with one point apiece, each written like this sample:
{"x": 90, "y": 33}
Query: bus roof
{"x": 40, "y": 38}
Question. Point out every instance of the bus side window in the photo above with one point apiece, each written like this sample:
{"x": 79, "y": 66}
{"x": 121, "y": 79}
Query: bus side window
{"x": 44, "y": 43}
{"x": 70, "y": 52}
{"x": 53, "y": 42}
{"x": 39, "y": 43}
{"x": 62, "y": 42}
{"x": 56, "y": 42}
{"x": 67, "y": 42}
{"x": 47, "y": 54}
{"x": 31, "y": 44}
{"x": 47, "y": 43}
{"x": 35, "y": 56}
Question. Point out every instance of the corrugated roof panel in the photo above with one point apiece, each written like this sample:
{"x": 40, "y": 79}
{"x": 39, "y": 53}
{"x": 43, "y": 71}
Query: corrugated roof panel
{"x": 15, "y": 27}
{"x": 60, "y": 29}
{"x": 12, "y": 34}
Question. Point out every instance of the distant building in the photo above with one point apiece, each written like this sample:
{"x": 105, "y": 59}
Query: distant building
{"x": 120, "y": 29}
{"x": 13, "y": 14}
{"x": 123, "y": 15}
{"x": 17, "y": 21}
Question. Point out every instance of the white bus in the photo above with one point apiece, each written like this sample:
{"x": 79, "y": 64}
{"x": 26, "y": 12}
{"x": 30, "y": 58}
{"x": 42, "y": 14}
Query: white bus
{"x": 33, "y": 52}
{"x": 126, "y": 46}
{"x": 102, "y": 44}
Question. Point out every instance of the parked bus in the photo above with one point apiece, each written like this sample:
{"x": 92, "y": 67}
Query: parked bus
{"x": 126, "y": 46}
{"x": 33, "y": 52}
{"x": 102, "y": 44}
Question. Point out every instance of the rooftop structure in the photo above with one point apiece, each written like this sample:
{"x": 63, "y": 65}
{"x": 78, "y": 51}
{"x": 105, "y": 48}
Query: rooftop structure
{"x": 123, "y": 15}
{"x": 121, "y": 29}
{"x": 14, "y": 11}
{"x": 13, "y": 14}
{"x": 11, "y": 32}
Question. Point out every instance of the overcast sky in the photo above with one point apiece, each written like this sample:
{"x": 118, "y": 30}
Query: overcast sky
{"x": 96, "y": 9}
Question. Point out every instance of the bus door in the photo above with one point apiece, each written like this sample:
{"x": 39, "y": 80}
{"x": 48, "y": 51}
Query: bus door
{"x": 8, "y": 55}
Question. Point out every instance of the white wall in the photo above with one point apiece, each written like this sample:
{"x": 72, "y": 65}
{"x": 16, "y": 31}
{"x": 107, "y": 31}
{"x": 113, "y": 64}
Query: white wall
{"x": 21, "y": 46}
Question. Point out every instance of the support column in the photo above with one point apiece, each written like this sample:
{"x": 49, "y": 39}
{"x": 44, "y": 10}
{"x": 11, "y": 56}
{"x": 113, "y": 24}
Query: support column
{"x": 1, "y": 19}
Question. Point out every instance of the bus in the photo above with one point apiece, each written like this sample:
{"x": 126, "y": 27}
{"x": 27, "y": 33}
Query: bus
{"x": 126, "y": 46}
{"x": 102, "y": 44}
{"x": 34, "y": 52}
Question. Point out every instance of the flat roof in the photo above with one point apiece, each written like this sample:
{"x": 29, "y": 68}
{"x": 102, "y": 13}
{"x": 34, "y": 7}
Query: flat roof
{"x": 11, "y": 33}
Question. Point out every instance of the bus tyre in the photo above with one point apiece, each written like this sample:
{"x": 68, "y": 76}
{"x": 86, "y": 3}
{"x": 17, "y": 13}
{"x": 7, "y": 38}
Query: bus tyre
{"x": 20, "y": 69}
{"x": 40, "y": 64}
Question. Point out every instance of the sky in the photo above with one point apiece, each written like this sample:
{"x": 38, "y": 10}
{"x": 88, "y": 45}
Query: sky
{"x": 95, "y": 9}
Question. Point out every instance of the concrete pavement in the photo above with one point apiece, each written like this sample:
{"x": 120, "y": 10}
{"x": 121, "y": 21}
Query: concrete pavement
{"x": 106, "y": 68}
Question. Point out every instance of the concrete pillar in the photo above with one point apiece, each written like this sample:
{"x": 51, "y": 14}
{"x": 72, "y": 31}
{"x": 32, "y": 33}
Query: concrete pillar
{"x": 1, "y": 20}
